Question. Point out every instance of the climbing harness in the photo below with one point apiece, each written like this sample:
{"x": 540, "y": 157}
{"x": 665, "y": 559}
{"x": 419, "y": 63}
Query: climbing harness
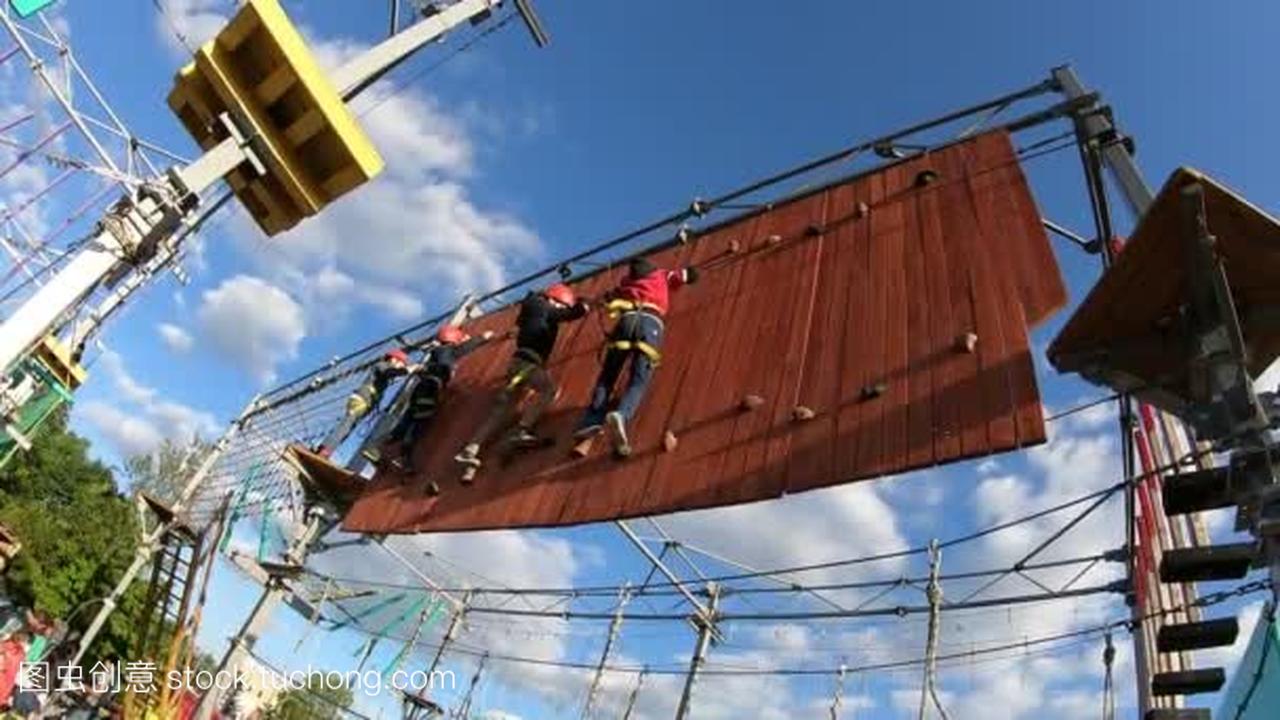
{"x": 622, "y": 309}
{"x": 532, "y": 361}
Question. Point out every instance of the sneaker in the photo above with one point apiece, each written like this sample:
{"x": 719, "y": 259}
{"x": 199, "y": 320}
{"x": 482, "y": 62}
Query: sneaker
{"x": 587, "y": 431}
{"x": 522, "y": 436}
{"x": 618, "y": 431}
{"x": 468, "y": 456}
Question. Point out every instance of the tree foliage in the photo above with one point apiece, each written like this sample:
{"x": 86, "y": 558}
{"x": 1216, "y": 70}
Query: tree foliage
{"x": 78, "y": 533}
{"x": 316, "y": 701}
{"x": 163, "y": 473}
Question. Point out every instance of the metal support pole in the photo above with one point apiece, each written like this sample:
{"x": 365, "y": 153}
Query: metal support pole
{"x": 272, "y": 594}
{"x": 703, "y": 611}
{"x": 145, "y": 219}
{"x": 1097, "y": 126}
{"x": 706, "y": 627}
{"x": 382, "y": 58}
{"x": 394, "y": 24}
{"x": 449, "y": 634}
{"x": 615, "y": 626}
{"x": 150, "y": 542}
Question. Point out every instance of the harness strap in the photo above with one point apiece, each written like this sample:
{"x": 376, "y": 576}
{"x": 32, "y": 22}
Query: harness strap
{"x": 621, "y": 306}
{"x": 639, "y": 346}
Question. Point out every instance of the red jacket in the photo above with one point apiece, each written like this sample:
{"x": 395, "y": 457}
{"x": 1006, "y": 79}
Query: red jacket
{"x": 653, "y": 290}
{"x": 12, "y": 653}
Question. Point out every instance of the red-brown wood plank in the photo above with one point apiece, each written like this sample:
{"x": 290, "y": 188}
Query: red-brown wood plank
{"x": 774, "y": 300}
{"x": 944, "y": 373}
{"x": 960, "y": 238}
{"x": 1042, "y": 289}
{"x": 861, "y": 330}
{"x": 784, "y": 366}
{"x": 1013, "y": 221}
{"x": 897, "y": 378}
{"x": 996, "y": 294}
{"x": 813, "y": 443}
{"x": 886, "y": 224}
{"x": 922, "y": 351}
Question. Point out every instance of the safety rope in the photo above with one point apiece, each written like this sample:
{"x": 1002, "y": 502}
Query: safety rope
{"x": 837, "y": 699}
{"x": 635, "y": 694}
{"x": 1108, "y": 684}
{"x": 934, "y": 593}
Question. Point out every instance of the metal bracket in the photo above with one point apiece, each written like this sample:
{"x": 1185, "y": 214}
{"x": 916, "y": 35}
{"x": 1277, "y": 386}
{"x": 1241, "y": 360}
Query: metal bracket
{"x": 1224, "y": 403}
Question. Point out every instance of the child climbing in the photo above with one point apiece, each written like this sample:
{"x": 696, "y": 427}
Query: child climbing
{"x": 537, "y": 328}
{"x": 432, "y": 378}
{"x": 367, "y": 397}
{"x": 641, "y": 301}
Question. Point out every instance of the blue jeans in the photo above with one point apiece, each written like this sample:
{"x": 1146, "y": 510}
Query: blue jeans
{"x": 635, "y": 327}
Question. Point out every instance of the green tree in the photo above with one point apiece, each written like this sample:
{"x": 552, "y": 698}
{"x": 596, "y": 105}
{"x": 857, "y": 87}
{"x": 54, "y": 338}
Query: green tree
{"x": 78, "y": 533}
{"x": 163, "y": 473}
{"x": 318, "y": 701}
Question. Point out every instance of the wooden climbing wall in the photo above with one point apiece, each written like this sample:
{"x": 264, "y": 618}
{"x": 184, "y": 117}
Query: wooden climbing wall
{"x": 819, "y": 302}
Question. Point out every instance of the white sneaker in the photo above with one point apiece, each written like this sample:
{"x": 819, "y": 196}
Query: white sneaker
{"x": 618, "y": 430}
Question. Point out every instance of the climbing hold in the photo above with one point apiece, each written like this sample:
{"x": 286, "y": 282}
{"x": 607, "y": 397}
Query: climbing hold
{"x": 814, "y": 230}
{"x": 751, "y": 402}
{"x": 683, "y": 235}
{"x": 861, "y": 210}
{"x": 670, "y": 441}
{"x": 925, "y": 177}
{"x": 774, "y": 240}
{"x": 565, "y": 272}
{"x": 800, "y": 413}
{"x": 698, "y": 207}
{"x": 873, "y": 390}
{"x": 735, "y": 247}
{"x": 967, "y": 342}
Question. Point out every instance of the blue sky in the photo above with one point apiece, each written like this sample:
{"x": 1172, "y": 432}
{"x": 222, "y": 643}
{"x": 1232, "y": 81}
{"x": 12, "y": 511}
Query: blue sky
{"x": 507, "y": 157}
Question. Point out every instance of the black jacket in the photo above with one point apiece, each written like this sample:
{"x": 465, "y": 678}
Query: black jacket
{"x": 539, "y": 324}
{"x": 442, "y": 359}
{"x": 380, "y": 376}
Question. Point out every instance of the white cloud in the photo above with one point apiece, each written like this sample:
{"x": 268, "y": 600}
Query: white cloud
{"x": 130, "y": 434}
{"x": 252, "y": 322}
{"x": 195, "y": 20}
{"x": 175, "y": 338}
{"x": 141, "y": 420}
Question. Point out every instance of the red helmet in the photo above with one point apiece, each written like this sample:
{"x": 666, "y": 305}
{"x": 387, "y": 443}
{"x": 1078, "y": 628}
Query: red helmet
{"x": 398, "y": 354}
{"x": 451, "y": 335}
{"x": 561, "y": 293}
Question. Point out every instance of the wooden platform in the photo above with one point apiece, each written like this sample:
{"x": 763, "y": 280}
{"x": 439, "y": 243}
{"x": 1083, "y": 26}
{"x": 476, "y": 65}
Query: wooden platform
{"x": 1127, "y": 335}
{"x": 819, "y": 302}
{"x": 323, "y": 478}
